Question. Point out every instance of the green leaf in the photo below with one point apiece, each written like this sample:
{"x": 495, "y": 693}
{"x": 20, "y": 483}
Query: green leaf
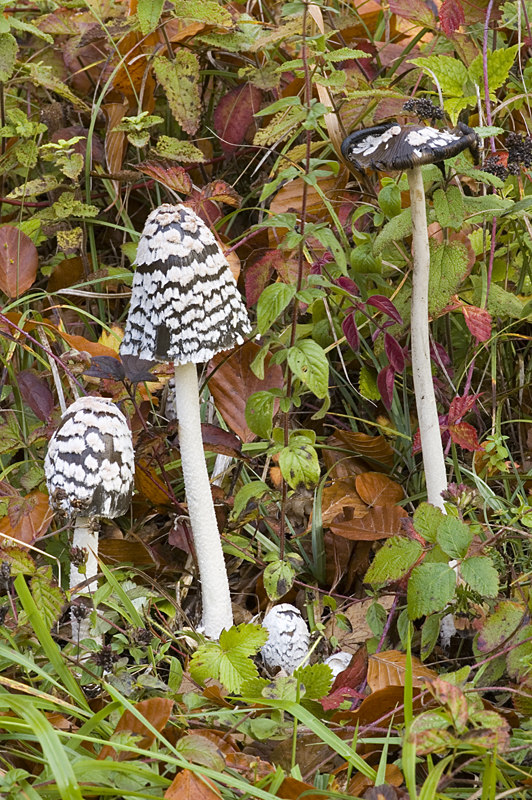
{"x": 299, "y": 463}
{"x": 48, "y": 597}
{"x": 45, "y": 184}
{"x": 394, "y": 559}
{"x": 308, "y": 362}
{"x": 250, "y": 494}
{"x": 430, "y": 588}
{"x": 449, "y": 207}
{"x": 500, "y": 302}
{"x": 44, "y": 76}
{"x": 481, "y": 575}
{"x": 427, "y": 520}
{"x": 278, "y": 579}
{"x": 272, "y": 302}
{"x": 429, "y": 635}
{"x": 259, "y": 414}
{"x": 316, "y": 678}
{"x": 448, "y": 266}
{"x": 367, "y": 384}
{"x": 180, "y": 81}
{"x": 177, "y": 150}
{"x": 149, "y": 12}
{"x": 394, "y": 230}
{"x": 454, "y": 537}
{"x": 389, "y": 199}
{"x": 10, "y": 434}
{"x": 203, "y": 11}
{"x": 450, "y": 72}
{"x": 27, "y": 27}
{"x": 18, "y": 559}
{"x": 499, "y": 64}
{"x": 487, "y": 207}
{"x": 8, "y": 56}
{"x": 229, "y": 660}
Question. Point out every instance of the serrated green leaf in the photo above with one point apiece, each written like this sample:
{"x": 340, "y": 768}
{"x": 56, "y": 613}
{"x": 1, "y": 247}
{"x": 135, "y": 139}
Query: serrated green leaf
{"x": 20, "y": 25}
{"x": 367, "y": 384}
{"x": 254, "y": 687}
{"x": 45, "y": 184}
{"x": 499, "y": 63}
{"x": 454, "y": 537}
{"x": 149, "y": 12}
{"x": 308, "y": 362}
{"x": 481, "y": 575}
{"x": 272, "y": 302}
{"x": 395, "y": 558}
{"x": 299, "y": 464}
{"x": 316, "y": 678}
{"x": 282, "y": 688}
{"x": 178, "y": 150}
{"x": 500, "y": 302}
{"x": 43, "y": 76}
{"x": 430, "y": 588}
{"x": 449, "y": 207}
{"x": 18, "y": 559}
{"x": 180, "y": 80}
{"x": 450, "y": 72}
{"x": 10, "y": 434}
{"x": 448, "y": 266}
{"x": 203, "y": 11}
{"x": 229, "y": 660}
{"x": 8, "y": 56}
{"x": 487, "y": 207}
{"x": 427, "y": 520}
{"x": 259, "y": 413}
{"x": 278, "y": 578}
{"x": 394, "y": 230}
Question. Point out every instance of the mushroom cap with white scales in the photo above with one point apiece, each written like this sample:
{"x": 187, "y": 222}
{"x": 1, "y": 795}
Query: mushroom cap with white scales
{"x": 185, "y": 305}
{"x": 391, "y": 147}
{"x": 89, "y": 465}
{"x": 288, "y": 640}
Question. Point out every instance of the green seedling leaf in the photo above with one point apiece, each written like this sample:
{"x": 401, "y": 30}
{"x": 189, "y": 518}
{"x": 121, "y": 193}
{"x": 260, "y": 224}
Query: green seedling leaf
{"x": 427, "y": 520}
{"x": 431, "y": 587}
{"x": 272, "y": 302}
{"x": 316, "y": 678}
{"x": 454, "y": 537}
{"x": 481, "y": 575}
{"x": 278, "y": 578}
{"x": 259, "y": 414}
{"x": 229, "y": 660}
{"x": 180, "y": 81}
{"x": 394, "y": 560}
{"x": 299, "y": 464}
{"x": 308, "y": 362}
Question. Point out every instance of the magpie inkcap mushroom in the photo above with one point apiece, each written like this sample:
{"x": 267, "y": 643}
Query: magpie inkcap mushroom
{"x": 185, "y": 308}
{"x": 288, "y": 639}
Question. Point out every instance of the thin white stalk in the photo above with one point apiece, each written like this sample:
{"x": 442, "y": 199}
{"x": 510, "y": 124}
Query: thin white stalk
{"x": 427, "y": 412}
{"x": 86, "y": 538}
{"x": 216, "y": 598}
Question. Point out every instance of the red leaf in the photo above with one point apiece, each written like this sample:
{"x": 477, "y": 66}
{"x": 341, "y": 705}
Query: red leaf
{"x": 36, "y": 394}
{"x": 461, "y": 406}
{"x": 350, "y": 330}
{"x": 258, "y": 275}
{"x": 451, "y": 16}
{"x": 234, "y": 114}
{"x": 349, "y": 286}
{"x": 413, "y": 9}
{"x": 385, "y": 305}
{"x": 170, "y": 175}
{"x": 18, "y": 261}
{"x": 465, "y": 436}
{"x": 385, "y": 381}
{"x": 478, "y": 320}
{"x": 395, "y": 353}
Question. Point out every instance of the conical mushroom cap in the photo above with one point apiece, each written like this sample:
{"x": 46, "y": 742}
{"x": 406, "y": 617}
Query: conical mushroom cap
{"x": 288, "y": 639}
{"x": 185, "y": 305}
{"x": 90, "y": 463}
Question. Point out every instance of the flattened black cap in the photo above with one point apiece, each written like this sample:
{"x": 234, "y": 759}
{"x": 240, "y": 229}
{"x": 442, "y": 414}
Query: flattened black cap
{"x": 390, "y": 147}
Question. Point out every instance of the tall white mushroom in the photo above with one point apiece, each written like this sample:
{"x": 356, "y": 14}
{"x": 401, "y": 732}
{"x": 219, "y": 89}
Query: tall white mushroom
{"x": 185, "y": 308}
{"x": 391, "y": 147}
{"x": 89, "y": 470}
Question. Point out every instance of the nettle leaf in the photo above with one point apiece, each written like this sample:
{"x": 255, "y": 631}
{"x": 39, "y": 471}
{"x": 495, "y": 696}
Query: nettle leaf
{"x": 316, "y": 678}
{"x": 448, "y": 264}
{"x": 49, "y": 598}
{"x": 454, "y": 537}
{"x": 431, "y": 587}
{"x": 500, "y": 302}
{"x": 308, "y": 362}
{"x": 395, "y": 558}
{"x": 427, "y": 519}
{"x": 450, "y": 72}
{"x": 481, "y": 575}
{"x": 486, "y": 207}
{"x": 272, "y": 303}
{"x": 148, "y": 12}
{"x": 180, "y": 81}
{"x": 8, "y": 56}
{"x": 499, "y": 65}
{"x": 259, "y": 414}
{"x": 449, "y": 208}
{"x": 299, "y": 463}
{"x": 396, "y": 229}
{"x": 278, "y": 578}
{"x": 203, "y": 11}
{"x": 229, "y": 660}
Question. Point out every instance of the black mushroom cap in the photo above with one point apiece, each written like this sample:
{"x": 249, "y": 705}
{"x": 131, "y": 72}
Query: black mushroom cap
{"x": 390, "y": 146}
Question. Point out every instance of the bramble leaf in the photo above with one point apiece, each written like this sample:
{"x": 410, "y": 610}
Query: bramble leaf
{"x": 431, "y": 587}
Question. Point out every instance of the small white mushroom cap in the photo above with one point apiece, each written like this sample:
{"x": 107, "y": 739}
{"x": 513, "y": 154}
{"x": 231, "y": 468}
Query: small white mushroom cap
{"x": 289, "y": 638}
{"x": 338, "y": 662}
{"x": 89, "y": 465}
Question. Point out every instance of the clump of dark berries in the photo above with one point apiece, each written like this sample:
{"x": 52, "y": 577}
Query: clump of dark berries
{"x": 424, "y": 108}
{"x": 78, "y": 556}
{"x": 519, "y": 149}
{"x": 80, "y": 612}
{"x": 5, "y": 575}
{"x": 105, "y": 657}
{"x": 142, "y": 637}
{"x": 495, "y": 167}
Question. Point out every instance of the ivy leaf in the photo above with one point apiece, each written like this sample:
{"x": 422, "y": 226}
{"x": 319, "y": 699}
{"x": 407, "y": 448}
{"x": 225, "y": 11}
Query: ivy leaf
{"x": 299, "y": 463}
{"x": 395, "y": 558}
{"x": 229, "y": 659}
{"x": 427, "y": 519}
{"x": 308, "y": 362}
{"x": 272, "y": 303}
{"x": 454, "y": 537}
{"x": 316, "y": 678}
{"x": 481, "y": 575}
{"x": 430, "y": 588}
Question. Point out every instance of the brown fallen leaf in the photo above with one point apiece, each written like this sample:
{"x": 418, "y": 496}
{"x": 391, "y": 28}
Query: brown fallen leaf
{"x": 155, "y": 710}
{"x": 389, "y": 669}
{"x": 359, "y": 784}
{"x": 189, "y": 786}
{"x": 376, "y": 489}
{"x": 360, "y": 631}
{"x": 380, "y": 523}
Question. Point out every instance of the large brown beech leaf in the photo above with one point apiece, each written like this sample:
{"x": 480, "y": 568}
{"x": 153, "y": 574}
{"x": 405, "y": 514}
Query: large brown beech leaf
{"x": 340, "y": 495}
{"x": 19, "y": 261}
{"x": 380, "y": 523}
{"x": 155, "y": 710}
{"x": 365, "y": 446}
{"x": 378, "y": 490}
{"x": 389, "y": 669}
{"x": 189, "y": 786}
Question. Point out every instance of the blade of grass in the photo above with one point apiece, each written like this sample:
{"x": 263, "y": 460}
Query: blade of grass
{"x": 128, "y": 605}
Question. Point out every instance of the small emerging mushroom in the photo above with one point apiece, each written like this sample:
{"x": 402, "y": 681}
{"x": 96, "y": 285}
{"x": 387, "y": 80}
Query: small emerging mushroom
{"x": 185, "y": 308}
{"x": 89, "y": 470}
{"x": 338, "y": 662}
{"x": 288, "y": 639}
{"x": 388, "y": 148}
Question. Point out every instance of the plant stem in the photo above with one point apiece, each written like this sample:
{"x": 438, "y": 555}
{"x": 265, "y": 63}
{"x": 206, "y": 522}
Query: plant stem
{"x": 217, "y": 611}
{"x": 86, "y": 538}
{"x": 427, "y": 412}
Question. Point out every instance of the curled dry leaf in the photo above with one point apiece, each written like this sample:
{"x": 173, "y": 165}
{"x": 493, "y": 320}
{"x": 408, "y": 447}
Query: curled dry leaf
{"x": 170, "y": 175}
{"x": 363, "y": 445}
{"x": 19, "y": 261}
{"x": 340, "y": 495}
{"x": 155, "y": 710}
{"x": 380, "y": 523}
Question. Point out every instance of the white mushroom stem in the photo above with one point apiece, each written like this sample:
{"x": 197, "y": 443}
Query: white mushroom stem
{"x": 216, "y": 598}
{"x": 86, "y": 538}
{"x": 427, "y": 412}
